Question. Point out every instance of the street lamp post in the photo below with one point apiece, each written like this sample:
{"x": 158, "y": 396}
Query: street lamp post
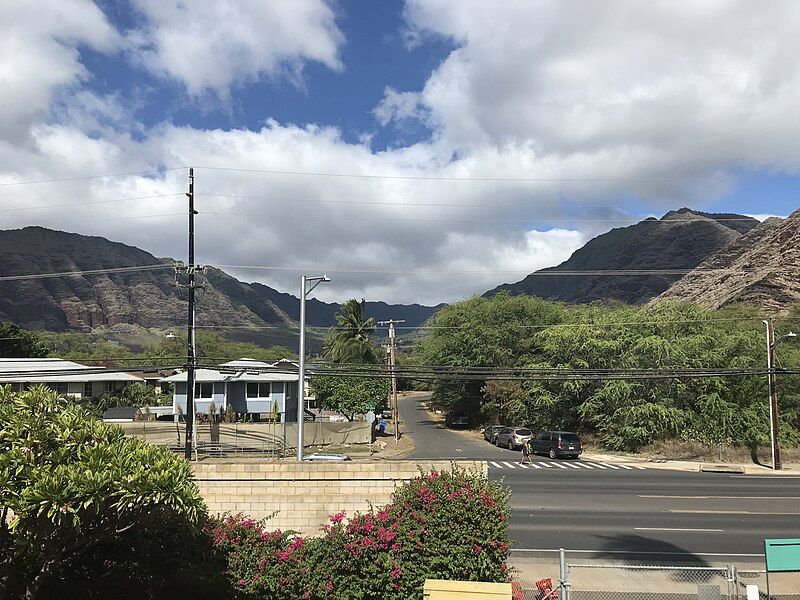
{"x": 773, "y": 392}
{"x": 301, "y": 388}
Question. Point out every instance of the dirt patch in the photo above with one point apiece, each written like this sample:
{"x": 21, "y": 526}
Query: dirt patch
{"x": 694, "y": 451}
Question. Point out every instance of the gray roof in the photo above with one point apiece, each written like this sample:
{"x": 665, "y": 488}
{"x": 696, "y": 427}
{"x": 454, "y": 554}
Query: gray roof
{"x": 236, "y": 370}
{"x": 55, "y": 370}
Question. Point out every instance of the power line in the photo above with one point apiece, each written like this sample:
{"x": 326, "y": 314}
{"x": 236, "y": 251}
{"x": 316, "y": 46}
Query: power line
{"x": 496, "y": 179}
{"x": 449, "y": 219}
{"x": 548, "y": 273}
{"x": 85, "y": 272}
{"x": 86, "y": 177}
{"x": 21, "y": 208}
{"x": 423, "y": 204}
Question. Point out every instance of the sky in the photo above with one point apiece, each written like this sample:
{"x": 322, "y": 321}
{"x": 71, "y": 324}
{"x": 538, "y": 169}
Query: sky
{"x": 419, "y": 151}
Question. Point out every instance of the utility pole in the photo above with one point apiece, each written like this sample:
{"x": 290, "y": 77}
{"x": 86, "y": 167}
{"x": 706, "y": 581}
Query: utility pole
{"x": 773, "y": 397}
{"x": 392, "y": 362}
{"x": 190, "y": 357}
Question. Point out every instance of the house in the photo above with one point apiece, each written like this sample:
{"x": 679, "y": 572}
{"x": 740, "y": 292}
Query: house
{"x": 63, "y": 376}
{"x": 247, "y": 386}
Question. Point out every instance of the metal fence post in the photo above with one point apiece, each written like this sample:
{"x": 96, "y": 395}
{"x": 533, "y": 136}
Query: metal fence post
{"x": 563, "y": 574}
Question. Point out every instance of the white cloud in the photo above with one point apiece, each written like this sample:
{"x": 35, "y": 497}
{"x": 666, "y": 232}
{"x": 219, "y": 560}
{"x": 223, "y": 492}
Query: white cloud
{"x": 39, "y": 54}
{"x": 211, "y": 46}
{"x": 534, "y": 89}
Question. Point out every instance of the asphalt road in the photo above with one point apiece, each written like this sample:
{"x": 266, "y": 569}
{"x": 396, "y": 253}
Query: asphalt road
{"x": 615, "y": 513}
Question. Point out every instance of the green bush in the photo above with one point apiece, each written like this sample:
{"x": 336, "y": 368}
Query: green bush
{"x": 91, "y": 508}
{"x": 450, "y": 525}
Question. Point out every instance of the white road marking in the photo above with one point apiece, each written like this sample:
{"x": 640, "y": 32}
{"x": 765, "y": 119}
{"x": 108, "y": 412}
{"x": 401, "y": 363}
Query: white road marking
{"x": 721, "y": 497}
{"x": 610, "y": 466}
{"x": 498, "y": 465}
{"x": 572, "y": 466}
{"x": 557, "y": 465}
{"x": 509, "y": 465}
{"x": 676, "y": 529}
{"x": 626, "y": 467}
{"x": 522, "y": 466}
{"x": 583, "y": 464}
{"x": 536, "y": 465}
{"x": 544, "y": 464}
{"x": 598, "y": 465}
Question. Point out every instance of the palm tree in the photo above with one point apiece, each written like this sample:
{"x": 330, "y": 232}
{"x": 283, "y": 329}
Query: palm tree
{"x": 349, "y": 339}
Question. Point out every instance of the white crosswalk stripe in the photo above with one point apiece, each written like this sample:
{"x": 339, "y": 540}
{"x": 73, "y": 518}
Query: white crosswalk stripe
{"x": 536, "y": 465}
{"x": 597, "y": 465}
{"x": 544, "y": 464}
{"x": 584, "y": 465}
{"x": 579, "y": 464}
{"x": 610, "y": 466}
{"x": 494, "y": 464}
{"x": 509, "y": 465}
{"x": 522, "y": 466}
{"x": 569, "y": 464}
{"x": 560, "y": 466}
{"x": 627, "y": 467}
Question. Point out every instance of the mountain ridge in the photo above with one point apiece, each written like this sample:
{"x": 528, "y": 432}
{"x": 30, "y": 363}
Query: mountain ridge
{"x": 147, "y": 298}
{"x": 679, "y": 240}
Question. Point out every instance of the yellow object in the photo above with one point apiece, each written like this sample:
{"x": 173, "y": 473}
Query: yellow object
{"x": 441, "y": 589}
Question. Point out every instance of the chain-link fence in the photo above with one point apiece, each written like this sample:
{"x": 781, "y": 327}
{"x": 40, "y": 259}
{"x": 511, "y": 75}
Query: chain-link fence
{"x": 604, "y": 581}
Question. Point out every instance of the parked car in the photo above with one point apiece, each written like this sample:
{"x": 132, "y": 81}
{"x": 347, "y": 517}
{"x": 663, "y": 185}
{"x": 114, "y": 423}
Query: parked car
{"x": 456, "y": 419}
{"x": 490, "y": 433}
{"x": 513, "y": 437}
{"x": 557, "y": 444}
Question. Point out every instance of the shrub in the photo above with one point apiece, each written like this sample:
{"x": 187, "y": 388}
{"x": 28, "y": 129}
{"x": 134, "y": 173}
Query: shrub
{"x": 91, "y": 507}
{"x": 261, "y": 563}
{"x": 440, "y": 525}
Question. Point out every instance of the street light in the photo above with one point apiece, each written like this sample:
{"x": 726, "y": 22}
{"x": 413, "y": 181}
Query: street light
{"x": 773, "y": 391}
{"x": 301, "y": 388}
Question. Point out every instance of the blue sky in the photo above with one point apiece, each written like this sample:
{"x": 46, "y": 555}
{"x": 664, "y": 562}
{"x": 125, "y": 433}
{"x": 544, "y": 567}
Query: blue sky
{"x": 511, "y": 133}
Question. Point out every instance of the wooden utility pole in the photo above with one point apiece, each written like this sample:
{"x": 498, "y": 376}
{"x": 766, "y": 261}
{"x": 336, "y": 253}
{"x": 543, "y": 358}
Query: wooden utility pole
{"x": 773, "y": 398}
{"x": 392, "y": 362}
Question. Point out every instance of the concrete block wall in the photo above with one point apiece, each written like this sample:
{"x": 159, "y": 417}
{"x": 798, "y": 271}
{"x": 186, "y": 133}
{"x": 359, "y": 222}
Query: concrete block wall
{"x": 303, "y": 496}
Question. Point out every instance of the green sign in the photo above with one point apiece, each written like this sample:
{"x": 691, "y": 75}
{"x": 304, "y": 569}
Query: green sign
{"x": 782, "y": 555}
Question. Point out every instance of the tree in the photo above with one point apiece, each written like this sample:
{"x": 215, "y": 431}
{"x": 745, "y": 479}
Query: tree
{"x": 16, "y": 342}
{"x": 350, "y": 395}
{"x": 349, "y": 341}
{"x": 87, "y": 502}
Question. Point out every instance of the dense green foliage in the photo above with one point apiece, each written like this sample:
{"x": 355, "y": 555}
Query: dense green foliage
{"x": 350, "y": 395}
{"x": 441, "y": 525}
{"x": 92, "y": 509}
{"x": 523, "y": 331}
{"x": 211, "y": 346}
{"x": 16, "y": 342}
{"x": 349, "y": 341}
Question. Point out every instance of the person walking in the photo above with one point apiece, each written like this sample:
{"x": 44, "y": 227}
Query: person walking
{"x": 526, "y": 453}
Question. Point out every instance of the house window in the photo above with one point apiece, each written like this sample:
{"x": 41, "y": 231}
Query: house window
{"x": 108, "y": 387}
{"x": 87, "y": 389}
{"x": 203, "y": 390}
{"x": 258, "y": 390}
{"x": 17, "y": 387}
{"x": 62, "y": 389}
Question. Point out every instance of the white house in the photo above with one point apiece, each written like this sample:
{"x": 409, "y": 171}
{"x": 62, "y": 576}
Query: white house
{"x": 63, "y": 376}
{"x": 248, "y": 386}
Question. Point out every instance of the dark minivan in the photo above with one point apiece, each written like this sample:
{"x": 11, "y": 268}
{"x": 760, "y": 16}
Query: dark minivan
{"x": 557, "y": 444}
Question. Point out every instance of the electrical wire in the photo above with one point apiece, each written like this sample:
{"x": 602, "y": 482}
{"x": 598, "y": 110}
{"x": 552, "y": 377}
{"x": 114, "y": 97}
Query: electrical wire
{"x": 21, "y": 208}
{"x": 87, "y": 177}
{"x": 443, "y": 219}
{"x": 85, "y": 272}
{"x": 548, "y": 273}
{"x": 495, "y": 179}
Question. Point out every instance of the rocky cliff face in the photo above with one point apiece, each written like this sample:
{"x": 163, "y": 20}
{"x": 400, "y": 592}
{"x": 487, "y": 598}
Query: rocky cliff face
{"x": 149, "y": 299}
{"x": 680, "y": 240}
{"x": 761, "y": 267}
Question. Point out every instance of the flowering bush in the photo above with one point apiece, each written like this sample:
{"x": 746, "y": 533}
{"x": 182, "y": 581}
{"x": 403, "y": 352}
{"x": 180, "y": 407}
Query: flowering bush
{"x": 450, "y": 525}
{"x": 261, "y": 563}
